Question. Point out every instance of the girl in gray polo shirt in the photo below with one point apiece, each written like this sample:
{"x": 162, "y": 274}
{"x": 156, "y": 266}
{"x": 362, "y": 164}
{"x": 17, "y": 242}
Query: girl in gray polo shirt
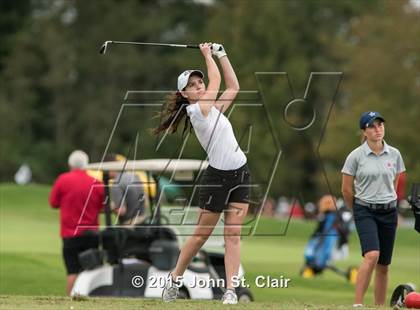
{"x": 370, "y": 177}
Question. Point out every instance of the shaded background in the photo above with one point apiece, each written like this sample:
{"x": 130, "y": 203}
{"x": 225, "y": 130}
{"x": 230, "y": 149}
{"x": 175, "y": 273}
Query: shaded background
{"x": 57, "y": 93}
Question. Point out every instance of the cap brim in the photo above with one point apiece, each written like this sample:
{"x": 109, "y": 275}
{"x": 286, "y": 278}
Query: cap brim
{"x": 197, "y": 72}
{"x": 378, "y": 117}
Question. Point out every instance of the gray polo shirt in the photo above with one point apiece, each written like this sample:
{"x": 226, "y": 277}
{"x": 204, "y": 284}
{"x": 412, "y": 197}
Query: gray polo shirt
{"x": 127, "y": 189}
{"x": 374, "y": 175}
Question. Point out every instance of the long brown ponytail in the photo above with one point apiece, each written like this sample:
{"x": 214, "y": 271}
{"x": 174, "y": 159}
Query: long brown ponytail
{"x": 362, "y": 137}
{"x": 174, "y": 110}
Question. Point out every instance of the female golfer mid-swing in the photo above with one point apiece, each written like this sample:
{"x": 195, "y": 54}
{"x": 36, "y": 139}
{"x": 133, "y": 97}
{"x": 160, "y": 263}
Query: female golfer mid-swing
{"x": 224, "y": 186}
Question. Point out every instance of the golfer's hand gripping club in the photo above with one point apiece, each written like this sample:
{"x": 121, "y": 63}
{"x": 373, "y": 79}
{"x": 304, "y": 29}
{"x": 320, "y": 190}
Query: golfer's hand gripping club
{"x": 215, "y": 47}
{"x": 205, "y": 49}
{"x": 218, "y": 50}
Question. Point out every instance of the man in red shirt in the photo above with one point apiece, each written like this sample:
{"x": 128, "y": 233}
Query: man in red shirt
{"x": 80, "y": 199}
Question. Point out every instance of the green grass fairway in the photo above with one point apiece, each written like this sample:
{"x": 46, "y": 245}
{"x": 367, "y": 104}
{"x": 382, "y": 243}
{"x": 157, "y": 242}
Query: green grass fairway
{"x": 65, "y": 303}
{"x": 32, "y": 274}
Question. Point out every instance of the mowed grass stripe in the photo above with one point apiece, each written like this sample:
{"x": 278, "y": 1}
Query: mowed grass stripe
{"x": 31, "y": 262}
{"x": 63, "y": 303}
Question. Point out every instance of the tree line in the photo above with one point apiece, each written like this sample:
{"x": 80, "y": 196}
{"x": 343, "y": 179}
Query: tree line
{"x": 57, "y": 93}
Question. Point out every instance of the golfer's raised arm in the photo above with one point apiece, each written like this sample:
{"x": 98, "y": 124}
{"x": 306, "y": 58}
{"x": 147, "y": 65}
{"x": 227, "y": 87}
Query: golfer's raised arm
{"x": 213, "y": 73}
{"x": 231, "y": 81}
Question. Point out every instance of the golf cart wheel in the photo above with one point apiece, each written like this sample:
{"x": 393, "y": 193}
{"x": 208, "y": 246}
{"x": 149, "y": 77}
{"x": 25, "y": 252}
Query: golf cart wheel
{"x": 352, "y": 275}
{"x": 244, "y": 295}
{"x": 399, "y": 294}
{"x": 183, "y": 293}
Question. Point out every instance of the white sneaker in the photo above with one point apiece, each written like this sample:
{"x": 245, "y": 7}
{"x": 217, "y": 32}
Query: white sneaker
{"x": 170, "y": 291}
{"x": 357, "y": 306}
{"x": 229, "y": 297}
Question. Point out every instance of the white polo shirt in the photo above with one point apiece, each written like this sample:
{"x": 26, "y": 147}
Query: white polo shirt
{"x": 216, "y": 136}
{"x": 374, "y": 175}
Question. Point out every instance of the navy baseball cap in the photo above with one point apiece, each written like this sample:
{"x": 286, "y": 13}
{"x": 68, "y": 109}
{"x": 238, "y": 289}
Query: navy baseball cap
{"x": 368, "y": 118}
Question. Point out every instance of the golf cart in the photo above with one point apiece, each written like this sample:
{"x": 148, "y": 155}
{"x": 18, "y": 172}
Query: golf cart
{"x": 414, "y": 201}
{"x": 135, "y": 261}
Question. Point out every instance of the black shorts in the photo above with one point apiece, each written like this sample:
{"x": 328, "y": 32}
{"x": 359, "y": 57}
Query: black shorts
{"x": 376, "y": 230}
{"x": 218, "y": 188}
{"x": 72, "y": 247}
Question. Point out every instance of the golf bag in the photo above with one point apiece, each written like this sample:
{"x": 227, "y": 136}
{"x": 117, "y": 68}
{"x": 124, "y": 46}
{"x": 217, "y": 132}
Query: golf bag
{"x": 404, "y": 296}
{"x": 414, "y": 201}
{"x": 331, "y": 234}
{"x": 320, "y": 246}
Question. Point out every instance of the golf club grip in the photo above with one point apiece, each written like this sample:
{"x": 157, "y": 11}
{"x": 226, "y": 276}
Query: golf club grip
{"x": 197, "y": 46}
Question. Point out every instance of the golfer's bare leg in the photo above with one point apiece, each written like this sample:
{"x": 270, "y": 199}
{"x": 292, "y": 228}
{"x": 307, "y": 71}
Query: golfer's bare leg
{"x": 381, "y": 284}
{"x": 234, "y": 218}
{"x": 207, "y": 221}
{"x": 364, "y": 275}
{"x": 71, "y": 278}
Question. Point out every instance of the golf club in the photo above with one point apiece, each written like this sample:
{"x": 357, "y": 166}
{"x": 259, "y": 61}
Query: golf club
{"x": 105, "y": 45}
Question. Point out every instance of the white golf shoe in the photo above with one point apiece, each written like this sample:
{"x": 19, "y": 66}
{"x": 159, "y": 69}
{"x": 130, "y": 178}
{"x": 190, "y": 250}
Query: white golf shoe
{"x": 170, "y": 291}
{"x": 229, "y": 297}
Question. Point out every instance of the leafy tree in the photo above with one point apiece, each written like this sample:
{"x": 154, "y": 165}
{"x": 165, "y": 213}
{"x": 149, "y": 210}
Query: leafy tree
{"x": 381, "y": 74}
{"x": 58, "y": 94}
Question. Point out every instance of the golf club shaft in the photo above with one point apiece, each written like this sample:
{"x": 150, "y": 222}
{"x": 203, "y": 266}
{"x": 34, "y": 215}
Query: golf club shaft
{"x": 105, "y": 45}
{"x": 155, "y": 44}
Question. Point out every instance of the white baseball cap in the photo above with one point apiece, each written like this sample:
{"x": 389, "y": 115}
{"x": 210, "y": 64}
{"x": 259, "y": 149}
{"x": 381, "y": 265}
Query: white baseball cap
{"x": 184, "y": 76}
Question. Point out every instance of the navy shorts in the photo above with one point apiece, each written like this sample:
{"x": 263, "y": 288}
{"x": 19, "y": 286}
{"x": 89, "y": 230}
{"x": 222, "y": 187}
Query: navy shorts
{"x": 376, "y": 230}
{"x": 218, "y": 188}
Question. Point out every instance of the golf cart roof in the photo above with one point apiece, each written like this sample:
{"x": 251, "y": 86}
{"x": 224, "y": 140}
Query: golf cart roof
{"x": 153, "y": 165}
